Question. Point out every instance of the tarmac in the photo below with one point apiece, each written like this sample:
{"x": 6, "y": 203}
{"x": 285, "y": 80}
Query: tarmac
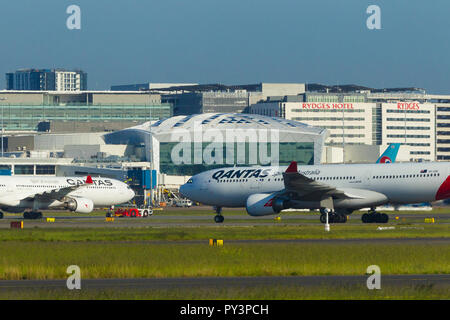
{"x": 233, "y": 282}
{"x": 167, "y": 219}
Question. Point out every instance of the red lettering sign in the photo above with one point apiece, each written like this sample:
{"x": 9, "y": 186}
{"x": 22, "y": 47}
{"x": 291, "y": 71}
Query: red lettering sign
{"x": 328, "y": 106}
{"x": 408, "y": 106}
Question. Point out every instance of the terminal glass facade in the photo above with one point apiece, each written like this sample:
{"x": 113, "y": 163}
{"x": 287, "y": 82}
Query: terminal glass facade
{"x": 26, "y": 117}
{"x": 302, "y": 152}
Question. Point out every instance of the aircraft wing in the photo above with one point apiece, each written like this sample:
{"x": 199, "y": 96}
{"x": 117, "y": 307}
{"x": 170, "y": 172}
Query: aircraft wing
{"x": 302, "y": 187}
{"x": 60, "y": 193}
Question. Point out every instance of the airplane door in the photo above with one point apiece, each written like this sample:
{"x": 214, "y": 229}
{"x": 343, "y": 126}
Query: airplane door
{"x": 367, "y": 178}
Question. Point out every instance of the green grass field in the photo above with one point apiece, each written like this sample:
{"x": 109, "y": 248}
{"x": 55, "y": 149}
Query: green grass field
{"x": 49, "y": 260}
{"x": 274, "y": 231}
{"x": 115, "y": 251}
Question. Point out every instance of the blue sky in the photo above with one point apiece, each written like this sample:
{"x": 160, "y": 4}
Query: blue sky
{"x": 233, "y": 42}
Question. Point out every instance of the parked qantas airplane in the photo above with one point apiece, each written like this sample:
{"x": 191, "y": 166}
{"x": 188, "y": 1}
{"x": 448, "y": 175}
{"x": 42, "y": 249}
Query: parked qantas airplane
{"x": 74, "y": 193}
{"x": 339, "y": 189}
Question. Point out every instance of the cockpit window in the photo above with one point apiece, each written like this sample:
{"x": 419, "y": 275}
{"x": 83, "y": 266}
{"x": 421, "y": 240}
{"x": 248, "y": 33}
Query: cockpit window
{"x": 189, "y": 181}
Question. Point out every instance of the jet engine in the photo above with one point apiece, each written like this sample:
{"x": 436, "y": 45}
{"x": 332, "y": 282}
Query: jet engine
{"x": 80, "y": 205}
{"x": 264, "y": 204}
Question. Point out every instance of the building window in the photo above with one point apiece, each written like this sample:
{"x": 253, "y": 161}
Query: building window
{"x": 419, "y": 152}
{"x": 45, "y": 169}
{"x": 24, "y": 169}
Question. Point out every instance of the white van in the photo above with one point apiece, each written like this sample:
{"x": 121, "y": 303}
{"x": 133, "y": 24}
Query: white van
{"x": 183, "y": 203}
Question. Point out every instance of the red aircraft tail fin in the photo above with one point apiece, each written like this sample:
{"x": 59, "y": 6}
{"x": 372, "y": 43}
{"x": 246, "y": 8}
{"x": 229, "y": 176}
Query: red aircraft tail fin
{"x": 292, "y": 167}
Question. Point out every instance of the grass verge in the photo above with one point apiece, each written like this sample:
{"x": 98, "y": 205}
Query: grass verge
{"x": 30, "y": 260}
{"x": 338, "y": 231}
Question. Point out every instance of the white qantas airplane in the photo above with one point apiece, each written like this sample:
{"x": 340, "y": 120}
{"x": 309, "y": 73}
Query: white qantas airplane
{"x": 339, "y": 189}
{"x": 74, "y": 193}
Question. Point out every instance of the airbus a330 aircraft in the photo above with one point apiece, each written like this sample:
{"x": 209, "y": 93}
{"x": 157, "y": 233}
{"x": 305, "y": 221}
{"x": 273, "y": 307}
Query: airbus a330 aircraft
{"x": 74, "y": 193}
{"x": 339, "y": 189}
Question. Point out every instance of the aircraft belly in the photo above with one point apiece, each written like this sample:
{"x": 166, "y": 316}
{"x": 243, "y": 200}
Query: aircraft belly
{"x": 412, "y": 193}
{"x": 224, "y": 195}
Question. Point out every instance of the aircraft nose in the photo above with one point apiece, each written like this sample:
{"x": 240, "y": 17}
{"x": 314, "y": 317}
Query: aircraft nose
{"x": 132, "y": 194}
{"x": 184, "y": 190}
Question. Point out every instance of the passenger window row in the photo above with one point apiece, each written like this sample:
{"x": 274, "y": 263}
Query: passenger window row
{"x": 407, "y": 176}
{"x": 333, "y": 178}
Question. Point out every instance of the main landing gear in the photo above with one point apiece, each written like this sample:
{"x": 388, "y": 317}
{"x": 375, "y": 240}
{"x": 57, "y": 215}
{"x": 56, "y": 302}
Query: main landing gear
{"x": 374, "y": 217}
{"x": 32, "y": 215}
{"x": 218, "y": 217}
{"x": 333, "y": 216}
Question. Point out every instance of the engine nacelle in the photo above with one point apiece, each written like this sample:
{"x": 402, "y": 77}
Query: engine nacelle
{"x": 262, "y": 204}
{"x": 7, "y": 201}
{"x": 80, "y": 205}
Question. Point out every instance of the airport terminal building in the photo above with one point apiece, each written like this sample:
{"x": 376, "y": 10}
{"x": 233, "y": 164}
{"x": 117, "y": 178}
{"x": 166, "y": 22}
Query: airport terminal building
{"x": 186, "y": 145}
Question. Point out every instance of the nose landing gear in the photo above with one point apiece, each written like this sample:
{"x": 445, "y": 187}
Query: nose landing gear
{"x": 218, "y": 217}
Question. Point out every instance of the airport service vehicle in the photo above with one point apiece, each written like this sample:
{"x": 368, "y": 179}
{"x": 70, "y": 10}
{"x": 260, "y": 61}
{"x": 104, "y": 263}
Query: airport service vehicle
{"x": 131, "y": 212}
{"x": 76, "y": 194}
{"x": 337, "y": 189}
{"x": 183, "y": 203}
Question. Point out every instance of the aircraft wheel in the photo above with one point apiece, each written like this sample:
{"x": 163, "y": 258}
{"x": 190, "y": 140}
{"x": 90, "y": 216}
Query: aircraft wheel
{"x": 323, "y": 218}
{"x": 366, "y": 218}
{"x": 1, "y": 215}
{"x": 384, "y": 218}
{"x": 343, "y": 218}
{"x": 32, "y": 215}
{"x": 334, "y": 218}
{"x": 219, "y": 219}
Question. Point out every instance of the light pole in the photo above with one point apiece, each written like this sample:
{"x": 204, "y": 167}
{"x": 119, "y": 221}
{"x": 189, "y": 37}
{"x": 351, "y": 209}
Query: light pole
{"x": 151, "y": 155}
{"x": 343, "y": 135}
{"x": 2, "y": 99}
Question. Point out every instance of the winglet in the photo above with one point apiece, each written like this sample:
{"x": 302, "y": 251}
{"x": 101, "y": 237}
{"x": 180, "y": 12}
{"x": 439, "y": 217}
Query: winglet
{"x": 89, "y": 180}
{"x": 292, "y": 167}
